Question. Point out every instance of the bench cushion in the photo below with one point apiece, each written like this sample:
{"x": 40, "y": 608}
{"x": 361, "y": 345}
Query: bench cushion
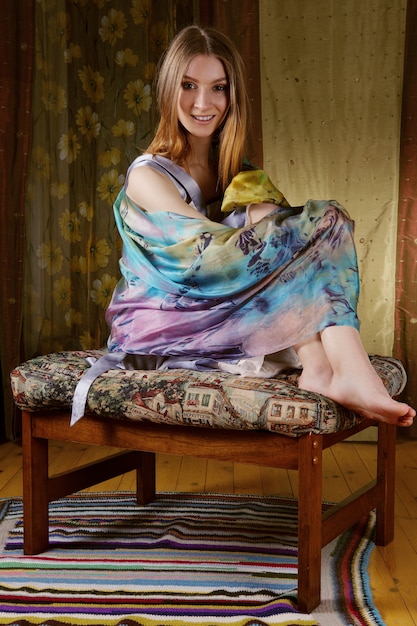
{"x": 179, "y": 396}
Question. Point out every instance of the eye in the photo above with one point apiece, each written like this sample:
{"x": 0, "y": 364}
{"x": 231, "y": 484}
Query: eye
{"x": 221, "y": 88}
{"x": 187, "y": 85}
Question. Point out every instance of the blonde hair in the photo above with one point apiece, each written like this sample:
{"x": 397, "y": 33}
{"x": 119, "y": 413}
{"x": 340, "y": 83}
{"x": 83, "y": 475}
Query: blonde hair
{"x": 171, "y": 138}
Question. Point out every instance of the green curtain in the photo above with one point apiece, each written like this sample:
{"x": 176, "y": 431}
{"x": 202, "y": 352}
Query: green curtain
{"x": 78, "y": 105}
{"x": 92, "y": 113}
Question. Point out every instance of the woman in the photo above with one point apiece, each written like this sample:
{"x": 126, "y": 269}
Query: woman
{"x": 202, "y": 291}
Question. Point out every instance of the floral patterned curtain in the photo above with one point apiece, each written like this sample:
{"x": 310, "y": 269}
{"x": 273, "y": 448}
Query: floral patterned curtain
{"x": 93, "y": 112}
{"x": 87, "y": 112}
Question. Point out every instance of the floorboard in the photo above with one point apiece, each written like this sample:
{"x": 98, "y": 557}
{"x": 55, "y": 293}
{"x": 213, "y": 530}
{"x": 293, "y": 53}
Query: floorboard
{"x": 346, "y": 466}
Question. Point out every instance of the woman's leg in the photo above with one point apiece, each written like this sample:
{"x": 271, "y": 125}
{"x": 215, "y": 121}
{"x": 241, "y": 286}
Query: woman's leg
{"x": 317, "y": 372}
{"x": 335, "y": 364}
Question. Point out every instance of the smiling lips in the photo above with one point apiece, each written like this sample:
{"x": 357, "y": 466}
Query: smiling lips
{"x": 203, "y": 118}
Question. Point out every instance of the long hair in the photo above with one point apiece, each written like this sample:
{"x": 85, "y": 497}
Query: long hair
{"x": 171, "y": 138}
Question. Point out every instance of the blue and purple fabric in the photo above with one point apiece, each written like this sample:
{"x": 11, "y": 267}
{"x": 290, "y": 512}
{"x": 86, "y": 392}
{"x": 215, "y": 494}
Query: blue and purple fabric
{"x": 195, "y": 288}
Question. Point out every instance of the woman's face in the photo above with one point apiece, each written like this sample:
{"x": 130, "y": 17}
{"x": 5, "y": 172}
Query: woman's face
{"x": 204, "y": 96}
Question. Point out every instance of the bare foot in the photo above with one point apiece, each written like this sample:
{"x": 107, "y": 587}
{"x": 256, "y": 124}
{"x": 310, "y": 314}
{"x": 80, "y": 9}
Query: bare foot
{"x": 336, "y": 365}
{"x": 365, "y": 394}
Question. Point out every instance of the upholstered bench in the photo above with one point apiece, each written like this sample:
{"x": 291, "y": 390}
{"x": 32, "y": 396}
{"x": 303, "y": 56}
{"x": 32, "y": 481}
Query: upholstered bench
{"x": 210, "y": 414}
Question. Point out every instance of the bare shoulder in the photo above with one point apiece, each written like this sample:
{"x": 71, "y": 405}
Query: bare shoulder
{"x": 150, "y": 189}
{"x": 153, "y": 191}
{"x": 142, "y": 179}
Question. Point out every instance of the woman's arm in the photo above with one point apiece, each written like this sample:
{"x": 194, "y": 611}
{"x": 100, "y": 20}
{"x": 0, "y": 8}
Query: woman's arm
{"x": 153, "y": 191}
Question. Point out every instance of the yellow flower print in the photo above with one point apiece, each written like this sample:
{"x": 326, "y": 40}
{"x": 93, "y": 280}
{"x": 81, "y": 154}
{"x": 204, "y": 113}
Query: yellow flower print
{"x": 100, "y": 3}
{"x": 113, "y": 26}
{"x": 109, "y": 186}
{"x": 92, "y": 83}
{"x": 46, "y": 328}
{"x": 126, "y": 58}
{"x": 47, "y": 343}
{"x": 72, "y": 52}
{"x": 86, "y": 210}
{"x": 33, "y": 304}
{"x": 50, "y": 258}
{"x": 110, "y": 156}
{"x": 31, "y": 192}
{"x": 88, "y": 123}
{"x": 149, "y": 71}
{"x": 36, "y": 322}
{"x": 59, "y": 28}
{"x": 73, "y": 317}
{"x": 79, "y": 265}
{"x": 59, "y": 190}
{"x": 140, "y": 10}
{"x": 69, "y": 147}
{"x": 98, "y": 254}
{"x": 33, "y": 297}
{"x": 41, "y": 63}
{"x": 53, "y": 97}
{"x": 103, "y": 290}
{"x": 123, "y": 128}
{"x": 159, "y": 38}
{"x": 47, "y": 5}
{"x": 86, "y": 341}
{"x": 118, "y": 246}
{"x": 70, "y": 226}
{"x": 41, "y": 163}
{"x": 137, "y": 96}
{"x": 61, "y": 291}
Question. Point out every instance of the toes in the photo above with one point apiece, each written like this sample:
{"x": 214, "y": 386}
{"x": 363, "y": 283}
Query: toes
{"x": 405, "y": 420}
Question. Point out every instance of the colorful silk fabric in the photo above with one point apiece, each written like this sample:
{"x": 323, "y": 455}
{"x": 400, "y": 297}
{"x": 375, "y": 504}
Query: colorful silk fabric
{"x": 196, "y": 288}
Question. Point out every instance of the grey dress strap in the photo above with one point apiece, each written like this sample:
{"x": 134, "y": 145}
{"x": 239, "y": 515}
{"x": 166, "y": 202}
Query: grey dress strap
{"x": 79, "y": 399}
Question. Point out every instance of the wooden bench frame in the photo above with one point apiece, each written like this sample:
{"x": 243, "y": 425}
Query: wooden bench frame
{"x": 142, "y": 440}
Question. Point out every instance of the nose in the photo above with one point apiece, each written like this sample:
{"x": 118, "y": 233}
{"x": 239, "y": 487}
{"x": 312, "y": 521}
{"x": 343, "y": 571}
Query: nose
{"x": 202, "y": 98}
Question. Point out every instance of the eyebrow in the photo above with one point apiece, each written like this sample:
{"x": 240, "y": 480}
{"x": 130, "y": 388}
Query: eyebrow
{"x": 223, "y": 79}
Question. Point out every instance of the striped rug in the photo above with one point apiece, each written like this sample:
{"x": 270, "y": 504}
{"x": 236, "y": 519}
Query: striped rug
{"x": 184, "y": 560}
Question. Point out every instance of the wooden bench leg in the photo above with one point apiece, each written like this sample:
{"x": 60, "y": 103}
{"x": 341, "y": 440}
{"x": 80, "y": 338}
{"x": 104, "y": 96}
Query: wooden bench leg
{"x": 386, "y": 481}
{"x": 35, "y": 490}
{"x": 310, "y": 471}
{"x": 39, "y": 489}
{"x": 145, "y": 478}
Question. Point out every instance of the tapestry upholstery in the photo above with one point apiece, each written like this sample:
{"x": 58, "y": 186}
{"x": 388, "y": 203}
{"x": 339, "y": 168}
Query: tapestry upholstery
{"x": 187, "y": 397}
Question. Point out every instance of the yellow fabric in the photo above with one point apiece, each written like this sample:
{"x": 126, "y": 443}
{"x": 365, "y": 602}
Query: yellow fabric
{"x": 331, "y": 98}
{"x": 252, "y": 186}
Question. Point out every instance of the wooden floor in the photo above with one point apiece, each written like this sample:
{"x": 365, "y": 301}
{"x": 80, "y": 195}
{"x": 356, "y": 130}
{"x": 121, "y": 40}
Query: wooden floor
{"x": 393, "y": 570}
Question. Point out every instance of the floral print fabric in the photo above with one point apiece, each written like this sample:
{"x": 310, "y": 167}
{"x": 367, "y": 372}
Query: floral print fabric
{"x": 197, "y": 288}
